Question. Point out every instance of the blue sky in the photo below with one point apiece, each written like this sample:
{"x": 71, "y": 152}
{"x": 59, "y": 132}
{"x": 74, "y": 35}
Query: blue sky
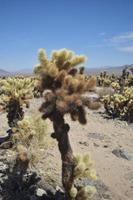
{"x": 100, "y": 29}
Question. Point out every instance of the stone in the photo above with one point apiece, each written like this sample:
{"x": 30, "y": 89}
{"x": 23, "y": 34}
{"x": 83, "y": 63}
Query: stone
{"x": 97, "y": 136}
{"x": 105, "y": 146}
{"x": 3, "y": 167}
{"x": 59, "y": 189}
{"x": 103, "y": 191}
{"x": 84, "y": 143}
{"x": 40, "y": 192}
{"x": 129, "y": 176}
{"x": 50, "y": 190}
{"x": 122, "y": 153}
{"x": 95, "y": 144}
{"x": 91, "y": 96}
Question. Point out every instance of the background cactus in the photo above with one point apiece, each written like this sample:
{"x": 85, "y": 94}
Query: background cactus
{"x": 15, "y": 94}
{"x": 120, "y": 104}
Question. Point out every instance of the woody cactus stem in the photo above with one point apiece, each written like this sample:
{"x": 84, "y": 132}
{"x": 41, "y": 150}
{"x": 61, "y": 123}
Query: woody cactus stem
{"x": 15, "y": 112}
{"x": 61, "y": 134}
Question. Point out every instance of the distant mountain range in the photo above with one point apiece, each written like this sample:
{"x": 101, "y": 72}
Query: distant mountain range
{"x": 109, "y": 69}
{"x": 16, "y": 73}
{"x": 4, "y": 73}
{"x": 24, "y": 72}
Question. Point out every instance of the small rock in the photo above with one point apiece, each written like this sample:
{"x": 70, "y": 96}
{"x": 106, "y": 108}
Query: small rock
{"x": 84, "y": 143}
{"x": 91, "y": 97}
{"x": 105, "y": 146}
{"x": 96, "y": 145}
{"x": 50, "y": 190}
{"x": 123, "y": 154}
{"x": 40, "y": 192}
{"x": 103, "y": 191}
{"x": 59, "y": 189}
{"x": 3, "y": 167}
{"x": 97, "y": 136}
{"x": 129, "y": 176}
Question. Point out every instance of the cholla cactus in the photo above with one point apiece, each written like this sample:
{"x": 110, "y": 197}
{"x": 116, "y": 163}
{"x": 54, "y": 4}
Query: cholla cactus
{"x": 15, "y": 93}
{"x": 37, "y": 90}
{"x": 86, "y": 193}
{"x": 28, "y": 136}
{"x": 129, "y": 80}
{"x": 83, "y": 168}
{"x": 115, "y": 86}
{"x": 66, "y": 85}
{"x": 120, "y": 105}
{"x": 105, "y": 79}
{"x": 23, "y": 132}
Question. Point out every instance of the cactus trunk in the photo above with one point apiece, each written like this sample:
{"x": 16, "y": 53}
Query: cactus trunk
{"x": 61, "y": 134}
{"x": 15, "y": 112}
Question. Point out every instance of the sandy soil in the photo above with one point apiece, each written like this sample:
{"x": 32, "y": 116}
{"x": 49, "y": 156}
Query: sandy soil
{"x": 100, "y": 136}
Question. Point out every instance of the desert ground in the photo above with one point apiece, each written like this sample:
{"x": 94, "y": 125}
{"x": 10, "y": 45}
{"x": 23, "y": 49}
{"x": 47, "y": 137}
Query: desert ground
{"x": 100, "y": 137}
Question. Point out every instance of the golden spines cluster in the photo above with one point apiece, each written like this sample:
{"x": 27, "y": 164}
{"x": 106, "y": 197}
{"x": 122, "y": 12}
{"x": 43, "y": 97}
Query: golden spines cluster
{"x": 83, "y": 168}
{"x": 86, "y": 193}
{"x": 23, "y": 132}
{"x": 62, "y": 59}
{"x": 115, "y": 85}
{"x": 28, "y": 136}
{"x": 104, "y": 79}
{"x": 17, "y": 88}
{"x": 129, "y": 80}
{"x": 62, "y": 76}
{"x": 65, "y": 57}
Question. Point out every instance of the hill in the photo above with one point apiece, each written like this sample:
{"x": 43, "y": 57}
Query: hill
{"x": 25, "y": 72}
{"x": 116, "y": 70}
{"x": 4, "y": 73}
{"x": 110, "y": 69}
